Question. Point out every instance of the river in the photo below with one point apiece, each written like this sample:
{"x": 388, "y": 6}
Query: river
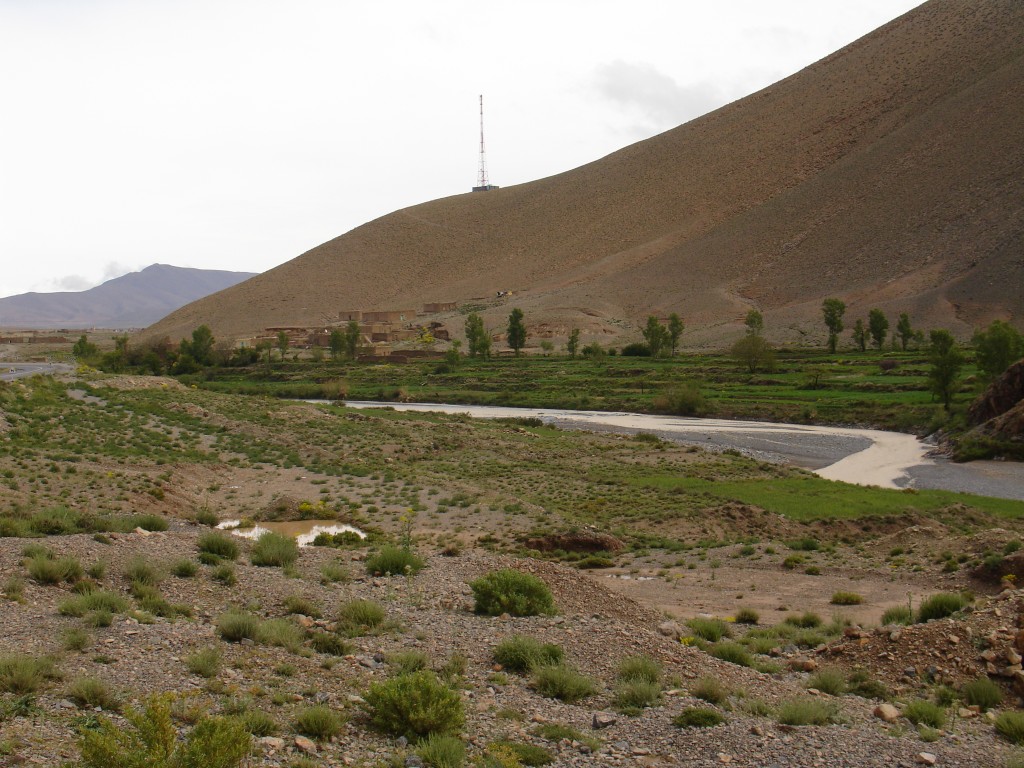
{"x": 860, "y": 456}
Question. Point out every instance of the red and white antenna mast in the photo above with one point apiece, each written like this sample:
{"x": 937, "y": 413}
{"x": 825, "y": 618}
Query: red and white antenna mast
{"x": 482, "y": 184}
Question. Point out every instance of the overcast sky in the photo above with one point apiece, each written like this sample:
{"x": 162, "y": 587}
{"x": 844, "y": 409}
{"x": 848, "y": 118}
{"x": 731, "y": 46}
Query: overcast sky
{"x": 236, "y": 134}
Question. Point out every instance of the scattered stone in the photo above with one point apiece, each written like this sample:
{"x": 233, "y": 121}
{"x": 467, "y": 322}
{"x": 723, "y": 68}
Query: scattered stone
{"x": 272, "y": 743}
{"x": 887, "y": 712}
{"x": 306, "y": 745}
{"x": 926, "y": 758}
{"x": 724, "y": 758}
{"x": 603, "y": 720}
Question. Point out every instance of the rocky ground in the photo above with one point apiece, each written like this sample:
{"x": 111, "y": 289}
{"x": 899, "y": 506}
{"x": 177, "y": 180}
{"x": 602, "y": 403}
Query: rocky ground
{"x": 432, "y": 612}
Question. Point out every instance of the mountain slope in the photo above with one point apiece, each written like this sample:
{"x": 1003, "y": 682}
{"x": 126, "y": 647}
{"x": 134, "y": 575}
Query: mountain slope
{"x": 131, "y": 301}
{"x": 889, "y": 174}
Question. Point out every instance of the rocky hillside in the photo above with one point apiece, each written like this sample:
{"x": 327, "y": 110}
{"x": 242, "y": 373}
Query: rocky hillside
{"x": 131, "y": 301}
{"x": 888, "y": 174}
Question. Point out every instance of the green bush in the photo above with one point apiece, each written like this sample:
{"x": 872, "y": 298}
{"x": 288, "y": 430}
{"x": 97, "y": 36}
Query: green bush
{"x": 45, "y": 569}
{"x": 205, "y": 663}
{"x": 899, "y": 614}
{"x": 711, "y": 630}
{"x": 235, "y": 626}
{"x": 513, "y": 592}
{"x": 940, "y": 606}
{"x": 442, "y": 751}
{"x": 318, "y": 722}
{"x": 393, "y": 561}
{"x": 734, "y": 653}
{"x": 74, "y": 639}
{"x": 206, "y": 517}
{"x": 698, "y": 717}
{"x": 99, "y": 600}
{"x": 526, "y": 754}
{"x": 806, "y": 711}
{"x": 632, "y": 696}
{"x": 642, "y": 668}
{"x": 185, "y": 569}
{"x": 281, "y": 633}
{"x": 152, "y": 741}
{"x": 747, "y": 616}
{"x": 830, "y": 681}
{"x": 329, "y": 643}
{"x": 141, "y": 571}
{"x": 846, "y": 598}
{"x": 302, "y": 606}
{"x": 1010, "y": 725}
{"x": 258, "y": 723}
{"x": 982, "y": 692}
{"x": 273, "y": 549}
{"x": 225, "y": 574}
{"x": 220, "y": 545}
{"x": 711, "y": 690}
{"x": 91, "y": 692}
{"x": 414, "y": 705}
{"x": 922, "y": 712}
{"x": 683, "y": 400}
{"x": 405, "y": 662}
{"x": 806, "y": 620}
{"x": 558, "y": 681}
{"x": 521, "y": 654}
{"x": 358, "y": 617}
{"x": 334, "y": 573}
{"x": 22, "y": 674}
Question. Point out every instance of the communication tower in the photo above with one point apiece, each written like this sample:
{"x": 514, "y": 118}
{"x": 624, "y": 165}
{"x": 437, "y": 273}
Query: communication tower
{"x": 482, "y": 184}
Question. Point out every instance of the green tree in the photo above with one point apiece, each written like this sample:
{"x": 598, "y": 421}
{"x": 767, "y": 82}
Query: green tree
{"x": 337, "y": 343}
{"x": 860, "y": 335}
{"x": 572, "y": 346}
{"x": 832, "y": 310}
{"x": 903, "y": 329}
{"x": 655, "y": 335}
{"x": 84, "y": 349}
{"x": 516, "y": 331}
{"x": 675, "y": 332}
{"x": 454, "y": 354}
{"x": 878, "y": 326}
{"x": 754, "y": 322}
{"x": 998, "y": 347}
{"x": 548, "y": 346}
{"x": 477, "y": 338}
{"x": 947, "y": 360}
{"x": 282, "y": 343}
{"x": 754, "y": 352}
{"x": 201, "y": 348}
{"x": 352, "y": 336}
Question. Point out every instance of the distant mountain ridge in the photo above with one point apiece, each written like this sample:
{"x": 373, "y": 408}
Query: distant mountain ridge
{"x": 889, "y": 174}
{"x": 135, "y": 300}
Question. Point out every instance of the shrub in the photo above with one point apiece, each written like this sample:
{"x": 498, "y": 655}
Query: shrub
{"x": 219, "y": 545}
{"x": 513, "y": 592}
{"x": 632, "y": 696}
{"x": 846, "y": 598}
{"x": 922, "y": 712}
{"x": 358, "y": 617}
{"x": 205, "y": 663}
{"x": 940, "y": 605}
{"x": 899, "y": 614}
{"x": 684, "y": 400}
{"x": 235, "y": 626}
{"x": 414, "y": 705}
{"x": 91, "y": 692}
{"x": 301, "y": 606}
{"x": 734, "y": 653}
{"x": 273, "y": 549}
{"x": 830, "y": 681}
{"x": 98, "y": 600}
{"x": 806, "y": 620}
{"x": 334, "y": 573}
{"x": 141, "y": 571}
{"x": 642, "y": 668}
{"x": 806, "y": 711}
{"x": 982, "y": 692}
{"x": 711, "y": 630}
{"x": 281, "y": 633}
{"x": 21, "y": 674}
{"x": 185, "y": 569}
{"x": 74, "y": 639}
{"x": 709, "y": 689}
{"x": 206, "y": 517}
{"x": 258, "y": 723}
{"x": 442, "y": 751}
{"x": 521, "y": 654}
{"x": 153, "y": 742}
{"x": 318, "y": 722}
{"x": 698, "y": 717}
{"x": 747, "y": 616}
{"x": 1010, "y": 725}
{"x": 329, "y": 643}
{"x": 526, "y": 754}
{"x": 14, "y": 589}
{"x": 393, "y": 561}
{"x": 225, "y": 574}
{"x": 558, "y": 681}
{"x": 805, "y": 544}
{"x": 147, "y": 523}
{"x": 48, "y": 570}
{"x": 99, "y": 618}
{"x": 861, "y": 683}
{"x": 405, "y": 662}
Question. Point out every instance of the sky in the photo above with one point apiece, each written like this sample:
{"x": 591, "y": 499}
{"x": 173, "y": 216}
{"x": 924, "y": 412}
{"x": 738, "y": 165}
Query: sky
{"x": 237, "y": 134}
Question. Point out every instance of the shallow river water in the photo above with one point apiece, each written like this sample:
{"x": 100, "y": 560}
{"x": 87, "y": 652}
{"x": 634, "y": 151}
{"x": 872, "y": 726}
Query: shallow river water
{"x": 860, "y": 456}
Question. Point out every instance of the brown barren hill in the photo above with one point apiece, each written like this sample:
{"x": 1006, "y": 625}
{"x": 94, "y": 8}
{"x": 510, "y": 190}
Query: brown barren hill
{"x": 890, "y": 174}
